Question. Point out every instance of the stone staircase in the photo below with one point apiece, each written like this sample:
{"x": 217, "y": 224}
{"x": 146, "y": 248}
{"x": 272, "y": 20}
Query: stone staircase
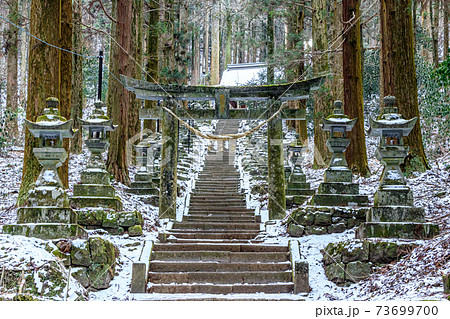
{"x": 215, "y": 249}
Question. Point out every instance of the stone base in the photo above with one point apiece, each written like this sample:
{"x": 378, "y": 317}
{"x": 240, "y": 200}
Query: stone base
{"x": 298, "y": 178}
{"x": 397, "y": 230}
{"x": 42, "y": 196}
{"x": 143, "y": 191}
{"x": 396, "y": 214}
{"x": 46, "y": 215}
{"x": 335, "y": 175}
{"x": 339, "y": 200}
{"x": 142, "y": 184}
{"x": 294, "y": 200}
{"x": 300, "y": 191}
{"x": 317, "y": 220}
{"x": 95, "y": 176}
{"x": 46, "y": 231}
{"x": 88, "y": 201}
{"x": 95, "y": 190}
{"x": 393, "y": 196}
{"x": 339, "y": 188}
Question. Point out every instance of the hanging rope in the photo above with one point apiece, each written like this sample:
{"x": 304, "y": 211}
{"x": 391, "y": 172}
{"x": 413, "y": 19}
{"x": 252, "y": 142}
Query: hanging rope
{"x": 225, "y": 137}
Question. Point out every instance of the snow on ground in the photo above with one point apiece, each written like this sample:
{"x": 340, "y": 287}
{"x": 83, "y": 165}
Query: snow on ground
{"x": 416, "y": 277}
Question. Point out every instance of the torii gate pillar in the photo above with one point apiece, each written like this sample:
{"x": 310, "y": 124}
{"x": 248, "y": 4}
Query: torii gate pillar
{"x": 169, "y": 156}
{"x": 275, "y": 163}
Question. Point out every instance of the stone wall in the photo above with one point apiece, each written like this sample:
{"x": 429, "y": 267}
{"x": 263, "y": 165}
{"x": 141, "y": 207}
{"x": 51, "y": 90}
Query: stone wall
{"x": 311, "y": 220}
{"x": 116, "y": 223}
{"x": 353, "y": 260}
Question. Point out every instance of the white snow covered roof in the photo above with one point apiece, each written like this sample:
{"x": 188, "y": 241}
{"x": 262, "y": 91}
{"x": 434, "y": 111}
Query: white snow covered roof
{"x": 245, "y": 73}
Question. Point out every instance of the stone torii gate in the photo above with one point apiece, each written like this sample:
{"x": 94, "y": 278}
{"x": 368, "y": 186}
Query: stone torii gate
{"x": 222, "y": 95}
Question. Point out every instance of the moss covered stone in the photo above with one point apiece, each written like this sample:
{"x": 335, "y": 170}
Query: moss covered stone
{"x": 135, "y": 230}
{"x": 91, "y": 217}
{"x": 356, "y": 271}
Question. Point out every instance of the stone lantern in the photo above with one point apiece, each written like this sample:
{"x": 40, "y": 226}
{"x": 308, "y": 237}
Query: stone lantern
{"x": 297, "y": 189}
{"x": 47, "y": 214}
{"x": 145, "y": 156}
{"x": 393, "y": 214}
{"x": 337, "y": 188}
{"x": 95, "y": 189}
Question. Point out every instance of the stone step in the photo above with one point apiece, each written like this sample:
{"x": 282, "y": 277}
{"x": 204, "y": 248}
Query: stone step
{"x": 219, "y": 218}
{"x": 220, "y": 247}
{"x": 216, "y": 235}
{"x": 220, "y": 256}
{"x": 219, "y": 241}
{"x": 218, "y": 225}
{"x": 233, "y": 202}
{"x": 247, "y": 213}
{"x": 200, "y": 277}
{"x": 217, "y": 197}
{"x": 229, "y": 209}
{"x": 191, "y": 266}
{"x": 222, "y": 289}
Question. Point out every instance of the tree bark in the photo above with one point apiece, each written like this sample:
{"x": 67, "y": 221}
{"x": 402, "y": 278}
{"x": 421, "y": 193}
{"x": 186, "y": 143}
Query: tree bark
{"x": 50, "y": 74}
{"x": 399, "y": 73}
{"x": 152, "y": 56}
{"x": 434, "y": 15}
{"x": 215, "y": 43}
{"x": 446, "y": 13}
{"x": 120, "y": 109}
{"x": 77, "y": 79}
{"x": 206, "y": 39}
{"x": 229, "y": 26}
{"x": 270, "y": 47}
{"x": 323, "y": 105}
{"x": 295, "y": 44}
{"x": 11, "y": 50}
{"x": 356, "y": 154}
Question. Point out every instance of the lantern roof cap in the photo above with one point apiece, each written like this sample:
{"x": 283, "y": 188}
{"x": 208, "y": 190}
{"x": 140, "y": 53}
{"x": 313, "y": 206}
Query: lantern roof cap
{"x": 51, "y": 121}
{"x": 390, "y": 119}
{"x": 338, "y": 118}
{"x": 98, "y": 118}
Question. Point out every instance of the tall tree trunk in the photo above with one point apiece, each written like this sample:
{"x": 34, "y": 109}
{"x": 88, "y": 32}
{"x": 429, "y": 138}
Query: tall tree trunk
{"x": 434, "y": 14}
{"x": 215, "y": 43}
{"x": 446, "y": 13}
{"x": 270, "y": 46}
{"x": 77, "y": 79}
{"x": 295, "y": 44}
{"x": 51, "y": 69}
{"x": 182, "y": 43}
{"x": 153, "y": 55}
{"x": 134, "y": 126}
{"x": 24, "y": 39}
{"x": 399, "y": 72}
{"x": 120, "y": 110}
{"x": 229, "y": 26}
{"x": 356, "y": 154}
{"x": 195, "y": 76}
{"x": 206, "y": 39}
{"x": 323, "y": 105}
{"x": 11, "y": 50}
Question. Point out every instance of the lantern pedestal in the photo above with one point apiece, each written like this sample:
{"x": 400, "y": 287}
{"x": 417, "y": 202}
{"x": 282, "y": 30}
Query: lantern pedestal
{"x": 47, "y": 214}
{"x": 337, "y": 188}
{"x": 298, "y": 190}
{"x": 146, "y": 182}
{"x": 337, "y": 205}
{"x": 95, "y": 189}
{"x": 394, "y": 214}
